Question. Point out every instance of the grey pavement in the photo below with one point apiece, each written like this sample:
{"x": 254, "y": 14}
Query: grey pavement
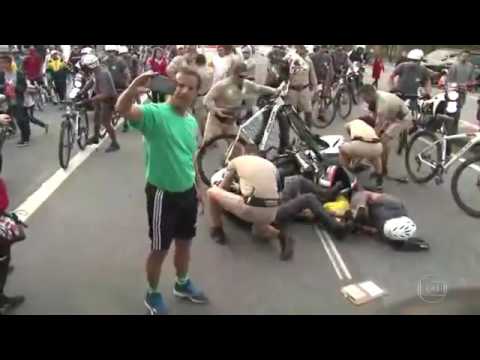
{"x": 87, "y": 245}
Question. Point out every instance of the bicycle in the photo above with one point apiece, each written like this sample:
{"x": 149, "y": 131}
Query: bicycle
{"x": 323, "y": 108}
{"x": 234, "y": 145}
{"x": 343, "y": 99}
{"x": 433, "y": 155}
{"x": 74, "y": 127}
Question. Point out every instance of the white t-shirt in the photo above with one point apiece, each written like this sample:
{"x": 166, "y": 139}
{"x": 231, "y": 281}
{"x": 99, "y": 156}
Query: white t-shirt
{"x": 221, "y": 65}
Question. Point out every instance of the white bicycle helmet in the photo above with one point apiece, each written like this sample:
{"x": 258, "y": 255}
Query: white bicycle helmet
{"x": 400, "y": 229}
{"x": 111, "y": 48}
{"x": 86, "y": 51}
{"x": 90, "y": 61}
{"x": 415, "y": 55}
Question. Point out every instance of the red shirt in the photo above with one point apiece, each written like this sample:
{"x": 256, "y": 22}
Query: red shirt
{"x": 4, "y": 201}
{"x": 32, "y": 65}
{"x": 158, "y": 65}
{"x": 378, "y": 68}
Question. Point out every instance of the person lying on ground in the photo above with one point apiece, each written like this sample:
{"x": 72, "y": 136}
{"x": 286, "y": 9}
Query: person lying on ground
{"x": 387, "y": 216}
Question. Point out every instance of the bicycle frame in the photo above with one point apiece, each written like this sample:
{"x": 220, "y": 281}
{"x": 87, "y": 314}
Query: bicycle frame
{"x": 444, "y": 166}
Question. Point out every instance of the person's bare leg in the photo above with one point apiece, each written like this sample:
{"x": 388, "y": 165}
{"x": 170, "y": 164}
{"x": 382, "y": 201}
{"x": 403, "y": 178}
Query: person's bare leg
{"x": 154, "y": 266}
{"x": 215, "y": 212}
{"x": 181, "y": 259}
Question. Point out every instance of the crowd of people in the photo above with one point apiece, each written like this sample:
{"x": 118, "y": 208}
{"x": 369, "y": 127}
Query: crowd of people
{"x": 205, "y": 102}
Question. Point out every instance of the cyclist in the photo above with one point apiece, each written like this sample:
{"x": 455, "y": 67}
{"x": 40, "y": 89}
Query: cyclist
{"x": 391, "y": 114}
{"x": 341, "y": 62}
{"x": 6, "y": 302}
{"x": 301, "y": 195}
{"x": 303, "y": 81}
{"x": 74, "y": 59}
{"x": 13, "y": 85}
{"x": 103, "y": 101}
{"x": 411, "y": 75}
{"x": 225, "y": 99}
{"x": 364, "y": 144}
{"x": 57, "y": 68}
{"x": 463, "y": 74}
{"x": 386, "y": 215}
{"x": 256, "y": 203}
{"x": 358, "y": 54}
{"x": 118, "y": 68}
{"x": 32, "y": 65}
{"x": 323, "y": 65}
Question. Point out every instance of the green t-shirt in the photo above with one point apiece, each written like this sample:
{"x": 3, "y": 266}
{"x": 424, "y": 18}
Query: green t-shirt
{"x": 170, "y": 144}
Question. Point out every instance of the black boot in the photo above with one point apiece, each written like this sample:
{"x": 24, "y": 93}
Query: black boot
{"x": 113, "y": 147}
{"x": 93, "y": 141}
{"x": 9, "y": 303}
{"x": 286, "y": 246}
{"x": 218, "y": 235}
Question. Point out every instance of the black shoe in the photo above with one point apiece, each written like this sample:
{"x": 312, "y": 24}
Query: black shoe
{"x": 413, "y": 244}
{"x": 286, "y": 247}
{"x": 93, "y": 141}
{"x": 113, "y": 147}
{"x": 125, "y": 128}
{"x": 342, "y": 230}
{"x": 23, "y": 143}
{"x": 218, "y": 235}
{"x": 9, "y": 303}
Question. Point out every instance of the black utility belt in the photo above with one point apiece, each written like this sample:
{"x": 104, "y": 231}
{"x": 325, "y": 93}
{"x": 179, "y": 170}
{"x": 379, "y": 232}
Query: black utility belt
{"x": 299, "y": 88}
{"x": 369, "y": 141}
{"x": 260, "y": 202}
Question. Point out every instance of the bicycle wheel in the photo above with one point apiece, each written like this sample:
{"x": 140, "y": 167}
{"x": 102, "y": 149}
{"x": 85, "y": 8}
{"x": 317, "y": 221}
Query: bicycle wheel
{"x": 65, "y": 144}
{"x": 343, "y": 102}
{"x": 325, "y": 113}
{"x": 211, "y": 155}
{"x": 422, "y": 157}
{"x": 465, "y": 195}
{"x": 83, "y": 130}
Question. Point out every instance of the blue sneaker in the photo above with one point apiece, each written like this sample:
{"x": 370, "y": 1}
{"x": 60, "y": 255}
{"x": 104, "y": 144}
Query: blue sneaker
{"x": 155, "y": 305}
{"x": 190, "y": 292}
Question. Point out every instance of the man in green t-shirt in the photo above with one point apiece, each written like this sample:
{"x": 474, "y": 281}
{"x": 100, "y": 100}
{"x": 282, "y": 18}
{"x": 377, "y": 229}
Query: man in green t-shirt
{"x": 170, "y": 134}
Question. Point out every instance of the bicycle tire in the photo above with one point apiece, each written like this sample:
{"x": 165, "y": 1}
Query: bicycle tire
{"x": 454, "y": 187}
{"x": 83, "y": 130}
{"x": 338, "y": 96}
{"x": 65, "y": 133}
{"x": 203, "y": 151}
{"x": 326, "y": 102}
{"x": 432, "y": 138}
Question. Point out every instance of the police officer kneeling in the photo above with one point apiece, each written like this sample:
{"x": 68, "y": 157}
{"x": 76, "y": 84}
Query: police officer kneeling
{"x": 256, "y": 202}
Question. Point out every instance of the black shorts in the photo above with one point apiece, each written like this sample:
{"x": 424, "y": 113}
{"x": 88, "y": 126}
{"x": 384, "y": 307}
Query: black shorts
{"x": 170, "y": 216}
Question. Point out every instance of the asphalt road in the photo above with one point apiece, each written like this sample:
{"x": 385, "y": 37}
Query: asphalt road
{"x": 87, "y": 244}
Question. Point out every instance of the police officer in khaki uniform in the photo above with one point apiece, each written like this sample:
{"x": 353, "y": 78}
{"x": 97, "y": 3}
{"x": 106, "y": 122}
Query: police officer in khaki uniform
{"x": 303, "y": 81}
{"x": 206, "y": 74}
{"x": 185, "y": 60}
{"x": 225, "y": 99}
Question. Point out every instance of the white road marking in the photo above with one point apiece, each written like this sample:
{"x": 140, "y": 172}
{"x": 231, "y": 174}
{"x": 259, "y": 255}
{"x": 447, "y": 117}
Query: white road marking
{"x": 35, "y": 200}
{"x": 339, "y": 259}
{"x": 329, "y": 253}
